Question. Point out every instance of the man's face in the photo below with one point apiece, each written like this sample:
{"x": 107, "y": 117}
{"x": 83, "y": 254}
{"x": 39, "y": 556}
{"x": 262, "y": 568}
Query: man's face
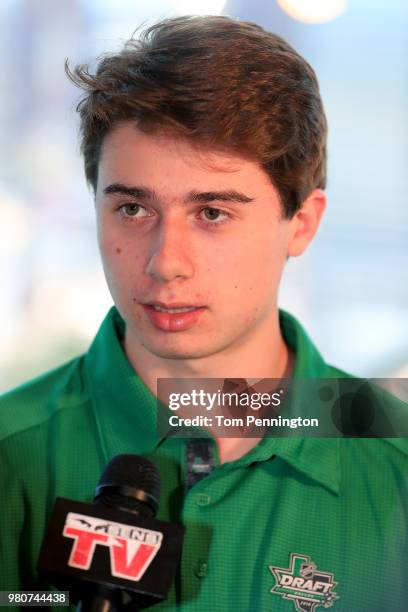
{"x": 179, "y": 228}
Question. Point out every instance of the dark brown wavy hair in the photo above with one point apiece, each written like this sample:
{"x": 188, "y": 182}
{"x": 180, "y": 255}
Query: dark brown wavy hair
{"x": 219, "y": 83}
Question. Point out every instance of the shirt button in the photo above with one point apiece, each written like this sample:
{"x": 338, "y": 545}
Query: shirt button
{"x": 202, "y": 499}
{"x": 201, "y": 568}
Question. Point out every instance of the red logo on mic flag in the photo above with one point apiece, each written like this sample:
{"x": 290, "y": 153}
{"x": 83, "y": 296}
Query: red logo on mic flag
{"x": 131, "y": 549}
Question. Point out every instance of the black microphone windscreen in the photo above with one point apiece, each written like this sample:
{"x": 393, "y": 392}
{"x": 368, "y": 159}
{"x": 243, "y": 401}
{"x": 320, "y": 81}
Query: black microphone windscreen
{"x": 130, "y": 481}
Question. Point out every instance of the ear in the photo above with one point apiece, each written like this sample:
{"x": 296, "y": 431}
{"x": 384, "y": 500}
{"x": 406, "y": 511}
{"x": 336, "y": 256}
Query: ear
{"x": 304, "y": 224}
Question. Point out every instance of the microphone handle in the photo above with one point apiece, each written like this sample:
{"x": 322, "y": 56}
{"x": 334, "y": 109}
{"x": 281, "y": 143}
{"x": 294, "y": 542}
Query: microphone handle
{"x": 99, "y": 602}
{"x": 105, "y": 602}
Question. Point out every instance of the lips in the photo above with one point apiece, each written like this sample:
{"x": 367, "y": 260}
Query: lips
{"x": 173, "y": 305}
{"x": 169, "y": 317}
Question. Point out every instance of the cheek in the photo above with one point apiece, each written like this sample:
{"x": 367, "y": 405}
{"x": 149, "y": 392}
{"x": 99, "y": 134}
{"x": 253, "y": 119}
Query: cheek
{"x": 252, "y": 268}
{"x": 269, "y": 258}
{"x": 116, "y": 261}
{"x": 114, "y": 250}
{"x": 249, "y": 281}
{"x": 112, "y": 254}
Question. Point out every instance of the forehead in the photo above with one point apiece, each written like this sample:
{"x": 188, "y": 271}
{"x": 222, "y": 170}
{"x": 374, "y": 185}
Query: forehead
{"x": 127, "y": 153}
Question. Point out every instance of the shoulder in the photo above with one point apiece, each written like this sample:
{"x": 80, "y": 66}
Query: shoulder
{"x": 373, "y": 419}
{"x": 37, "y": 401}
{"x": 374, "y": 475}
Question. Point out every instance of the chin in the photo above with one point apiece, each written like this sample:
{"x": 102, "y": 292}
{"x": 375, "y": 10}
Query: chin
{"x": 180, "y": 352}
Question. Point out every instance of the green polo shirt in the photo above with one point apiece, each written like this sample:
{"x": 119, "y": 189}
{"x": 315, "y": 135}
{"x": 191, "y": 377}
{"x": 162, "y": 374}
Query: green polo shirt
{"x": 294, "y": 524}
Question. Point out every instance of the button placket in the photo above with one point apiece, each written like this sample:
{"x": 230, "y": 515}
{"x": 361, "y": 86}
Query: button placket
{"x": 201, "y": 568}
{"x": 202, "y": 499}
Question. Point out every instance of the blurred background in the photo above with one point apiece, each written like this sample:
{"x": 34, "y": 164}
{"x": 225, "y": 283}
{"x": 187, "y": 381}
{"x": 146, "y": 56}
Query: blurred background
{"x": 350, "y": 290}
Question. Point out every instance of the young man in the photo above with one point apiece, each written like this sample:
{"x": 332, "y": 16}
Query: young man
{"x": 204, "y": 143}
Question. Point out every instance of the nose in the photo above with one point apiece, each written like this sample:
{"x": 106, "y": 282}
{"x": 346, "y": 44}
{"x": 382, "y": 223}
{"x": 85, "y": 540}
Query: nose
{"x": 170, "y": 255}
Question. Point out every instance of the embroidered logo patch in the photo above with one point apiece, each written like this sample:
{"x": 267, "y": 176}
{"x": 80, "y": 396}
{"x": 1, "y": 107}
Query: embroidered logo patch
{"x": 302, "y": 583}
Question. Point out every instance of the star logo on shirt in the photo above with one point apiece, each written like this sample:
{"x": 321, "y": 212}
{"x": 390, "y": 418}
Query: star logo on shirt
{"x": 303, "y": 584}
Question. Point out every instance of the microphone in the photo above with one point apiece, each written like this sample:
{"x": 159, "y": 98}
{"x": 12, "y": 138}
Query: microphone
{"x": 113, "y": 554}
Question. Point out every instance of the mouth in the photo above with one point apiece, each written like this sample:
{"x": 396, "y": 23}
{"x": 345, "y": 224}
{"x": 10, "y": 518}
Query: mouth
{"x": 173, "y": 317}
{"x": 173, "y": 308}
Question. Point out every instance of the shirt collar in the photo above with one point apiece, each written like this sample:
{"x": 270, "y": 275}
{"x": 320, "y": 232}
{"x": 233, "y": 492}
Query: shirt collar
{"x": 317, "y": 458}
{"x": 309, "y": 362}
{"x": 125, "y": 410}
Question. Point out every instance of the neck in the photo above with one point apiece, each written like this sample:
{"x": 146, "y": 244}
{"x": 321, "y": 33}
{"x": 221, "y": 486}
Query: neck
{"x": 263, "y": 355}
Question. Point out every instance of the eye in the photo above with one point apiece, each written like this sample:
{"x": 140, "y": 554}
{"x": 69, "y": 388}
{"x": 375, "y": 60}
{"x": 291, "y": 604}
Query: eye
{"x": 133, "y": 210}
{"x": 213, "y": 216}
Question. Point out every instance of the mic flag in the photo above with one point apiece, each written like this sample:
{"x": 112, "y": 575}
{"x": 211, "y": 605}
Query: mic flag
{"x": 112, "y": 549}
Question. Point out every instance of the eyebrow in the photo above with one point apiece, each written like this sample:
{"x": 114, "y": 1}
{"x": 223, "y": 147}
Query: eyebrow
{"x": 144, "y": 193}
